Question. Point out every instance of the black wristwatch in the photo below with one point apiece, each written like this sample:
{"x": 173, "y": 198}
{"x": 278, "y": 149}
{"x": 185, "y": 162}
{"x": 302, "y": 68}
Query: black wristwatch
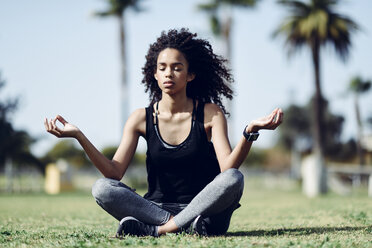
{"x": 250, "y": 136}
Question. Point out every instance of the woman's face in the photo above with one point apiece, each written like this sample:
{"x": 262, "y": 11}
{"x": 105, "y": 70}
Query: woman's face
{"x": 172, "y": 71}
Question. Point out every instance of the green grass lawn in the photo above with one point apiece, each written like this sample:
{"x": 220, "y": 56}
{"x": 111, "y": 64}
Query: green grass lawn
{"x": 267, "y": 218}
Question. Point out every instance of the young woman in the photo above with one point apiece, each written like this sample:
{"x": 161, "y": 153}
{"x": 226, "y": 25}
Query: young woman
{"x": 194, "y": 185}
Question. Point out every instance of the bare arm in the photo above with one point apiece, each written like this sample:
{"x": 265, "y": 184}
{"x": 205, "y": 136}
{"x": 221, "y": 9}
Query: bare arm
{"x": 115, "y": 168}
{"x": 228, "y": 158}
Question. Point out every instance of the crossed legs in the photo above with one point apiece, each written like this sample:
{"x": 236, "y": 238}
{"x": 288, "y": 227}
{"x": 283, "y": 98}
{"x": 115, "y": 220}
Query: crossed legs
{"x": 216, "y": 203}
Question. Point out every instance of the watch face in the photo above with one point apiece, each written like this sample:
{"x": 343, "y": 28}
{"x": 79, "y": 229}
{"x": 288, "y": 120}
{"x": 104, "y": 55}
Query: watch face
{"x": 253, "y": 136}
{"x": 250, "y": 136}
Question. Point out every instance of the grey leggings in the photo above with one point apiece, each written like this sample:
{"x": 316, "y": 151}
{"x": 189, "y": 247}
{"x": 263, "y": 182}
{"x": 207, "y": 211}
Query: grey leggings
{"x": 216, "y": 203}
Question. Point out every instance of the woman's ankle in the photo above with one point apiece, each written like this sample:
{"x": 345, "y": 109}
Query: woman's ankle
{"x": 168, "y": 227}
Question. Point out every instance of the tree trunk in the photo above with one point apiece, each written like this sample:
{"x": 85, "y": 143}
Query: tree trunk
{"x": 318, "y": 128}
{"x": 226, "y": 35}
{"x": 295, "y": 172}
{"x": 124, "y": 94}
{"x": 360, "y": 131}
{"x": 9, "y": 175}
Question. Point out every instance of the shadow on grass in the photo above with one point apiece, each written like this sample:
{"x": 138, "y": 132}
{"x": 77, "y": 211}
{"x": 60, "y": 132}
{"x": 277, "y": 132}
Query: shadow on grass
{"x": 297, "y": 231}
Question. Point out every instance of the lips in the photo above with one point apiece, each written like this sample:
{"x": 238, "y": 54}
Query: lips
{"x": 168, "y": 83}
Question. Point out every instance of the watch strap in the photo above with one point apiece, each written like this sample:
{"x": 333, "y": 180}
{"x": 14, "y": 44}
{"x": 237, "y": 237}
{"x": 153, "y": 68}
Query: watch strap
{"x": 250, "y": 136}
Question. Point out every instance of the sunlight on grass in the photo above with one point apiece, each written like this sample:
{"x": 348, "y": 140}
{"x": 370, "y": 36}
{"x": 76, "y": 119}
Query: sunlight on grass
{"x": 267, "y": 218}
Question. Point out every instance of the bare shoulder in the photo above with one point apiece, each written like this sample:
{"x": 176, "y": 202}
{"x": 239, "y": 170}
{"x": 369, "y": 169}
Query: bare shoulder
{"x": 139, "y": 114}
{"x": 137, "y": 121}
{"x": 212, "y": 112}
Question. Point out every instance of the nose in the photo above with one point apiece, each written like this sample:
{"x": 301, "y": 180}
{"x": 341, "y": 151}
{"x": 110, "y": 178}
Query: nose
{"x": 168, "y": 73}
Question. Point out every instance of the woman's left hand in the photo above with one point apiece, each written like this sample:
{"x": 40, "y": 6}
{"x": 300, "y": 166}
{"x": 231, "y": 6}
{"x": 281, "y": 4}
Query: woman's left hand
{"x": 271, "y": 122}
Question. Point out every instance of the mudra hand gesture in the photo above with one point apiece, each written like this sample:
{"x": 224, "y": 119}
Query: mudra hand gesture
{"x": 68, "y": 129}
{"x": 271, "y": 122}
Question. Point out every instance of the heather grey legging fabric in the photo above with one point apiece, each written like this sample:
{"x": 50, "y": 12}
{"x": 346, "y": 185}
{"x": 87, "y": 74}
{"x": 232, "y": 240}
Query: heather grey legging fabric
{"x": 216, "y": 203}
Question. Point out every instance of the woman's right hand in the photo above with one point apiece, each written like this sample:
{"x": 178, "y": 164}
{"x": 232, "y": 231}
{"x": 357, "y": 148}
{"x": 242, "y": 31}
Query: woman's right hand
{"x": 68, "y": 129}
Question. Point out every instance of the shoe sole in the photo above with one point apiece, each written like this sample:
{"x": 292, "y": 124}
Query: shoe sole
{"x": 129, "y": 225}
{"x": 125, "y": 221}
{"x": 127, "y": 218}
{"x": 195, "y": 227}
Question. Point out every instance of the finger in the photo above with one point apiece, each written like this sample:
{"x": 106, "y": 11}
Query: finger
{"x": 269, "y": 118}
{"x": 53, "y": 123}
{"x": 273, "y": 112}
{"x": 59, "y": 130}
{"x": 272, "y": 116}
{"x": 55, "y": 132}
{"x": 277, "y": 118}
{"x": 61, "y": 119}
{"x": 52, "y": 126}
{"x": 280, "y": 116}
{"x": 46, "y": 124}
{"x": 55, "y": 127}
{"x": 278, "y": 121}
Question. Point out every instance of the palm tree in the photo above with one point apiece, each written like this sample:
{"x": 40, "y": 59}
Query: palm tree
{"x": 116, "y": 8}
{"x": 221, "y": 20}
{"x": 316, "y": 24}
{"x": 14, "y": 144}
{"x": 359, "y": 86}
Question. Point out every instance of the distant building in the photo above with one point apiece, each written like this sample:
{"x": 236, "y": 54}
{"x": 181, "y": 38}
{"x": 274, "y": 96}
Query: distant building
{"x": 367, "y": 142}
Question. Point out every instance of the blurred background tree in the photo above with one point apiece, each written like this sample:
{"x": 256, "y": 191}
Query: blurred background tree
{"x": 14, "y": 144}
{"x": 138, "y": 159}
{"x": 117, "y": 8}
{"x": 221, "y": 19}
{"x": 67, "y": 150}
{"x": 295, "y": 132}
{"x": 221, "y": 23}
{"x": 359, "y": 86}
{"x": 109, "y": 151}
{"x": 369, "y": 121}
{"x": 315, "y": 24}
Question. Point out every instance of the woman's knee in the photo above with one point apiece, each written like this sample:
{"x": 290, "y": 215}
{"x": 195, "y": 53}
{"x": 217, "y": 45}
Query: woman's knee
{"x": 233, "y": 178}
{"x": 101, "y": 189}
{"x": 106, "y": 190}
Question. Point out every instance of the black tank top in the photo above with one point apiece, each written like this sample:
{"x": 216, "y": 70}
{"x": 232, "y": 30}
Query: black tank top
{"x": 177, "y": 173}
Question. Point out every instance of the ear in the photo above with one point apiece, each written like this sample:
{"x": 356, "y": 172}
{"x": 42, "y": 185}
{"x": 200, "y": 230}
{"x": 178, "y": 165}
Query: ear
{"x": 155, "y": 77}
{"x": 190, "y": 77}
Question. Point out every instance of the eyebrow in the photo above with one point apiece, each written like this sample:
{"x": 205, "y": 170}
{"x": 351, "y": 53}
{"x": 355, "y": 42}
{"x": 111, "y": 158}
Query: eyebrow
{"x": 173, "y": 64}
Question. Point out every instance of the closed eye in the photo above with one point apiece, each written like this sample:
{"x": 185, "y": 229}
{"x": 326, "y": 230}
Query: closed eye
{"x": 178, "y": 66}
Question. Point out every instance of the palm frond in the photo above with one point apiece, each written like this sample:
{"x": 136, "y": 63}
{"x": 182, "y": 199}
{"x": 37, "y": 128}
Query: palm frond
{"x": 296, "y": 7}
{"x": 213, "y": 7}
{"x": 358, "y": 85}
{"x": 215, "y": 25}
{"x": 208, "y": 7}
{"x": 240, "y": 3}
{"x": 316, "y": 21}
{"x": 104, "y": 13}
{"x": 117, "y": 7}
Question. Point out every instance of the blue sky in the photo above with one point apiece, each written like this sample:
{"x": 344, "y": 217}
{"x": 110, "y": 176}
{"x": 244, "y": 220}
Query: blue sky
{"x": 61, "y": 60}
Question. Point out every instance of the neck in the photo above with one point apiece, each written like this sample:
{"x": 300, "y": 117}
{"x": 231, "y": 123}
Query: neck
{"x": 174, "y": 104}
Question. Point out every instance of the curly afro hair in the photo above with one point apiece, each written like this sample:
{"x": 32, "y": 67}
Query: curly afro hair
{"x": 212, "y": 78}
